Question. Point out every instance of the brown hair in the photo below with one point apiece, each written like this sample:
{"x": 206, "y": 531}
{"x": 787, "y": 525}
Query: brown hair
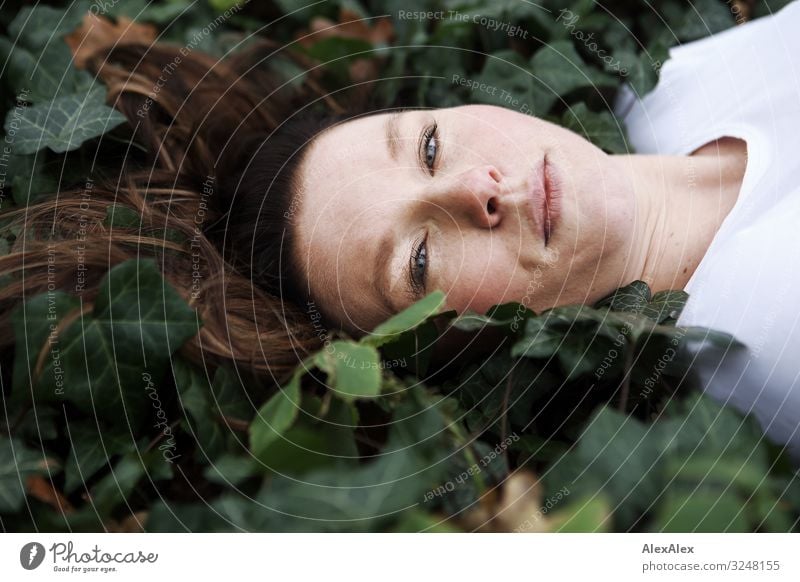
{"x": 213, "y": 133}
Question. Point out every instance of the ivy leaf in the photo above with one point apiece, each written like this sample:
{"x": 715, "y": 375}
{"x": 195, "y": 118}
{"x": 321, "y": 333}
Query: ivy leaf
{"x": 39, "y": 75}
{"x": 38, "y": 25}
{"x": 195, "y": 389}
{"x": 89, "y": 451}
{"x": 33, "y": 323}
{"x": 406, "y": 320}
{"x": 505, "y": 80}
{"x": 617, "y": 456}
{"x": 601, "y": 128}
{"x": 230, "y": 469}
{"x": 137, "y": 314}
{"x": 116, "y": 488}
{"x": 702, "y": 18}
{"x": 413, "y": 349}
{"x": 29, "y": 180}
{"x": 703, "y": 511}
{"x": 701, "y": 423}
{"x": 364, "y": 498}
{"x": 353, "y": 370}
{"x": 583, "y": 348}
{"x": 277, "y": 415}
{"x": 642, "y": 69}
{"x": 503, "y": 386}
{"x": 322, "y": 437}
{"x": 665, "y": 305}
{"x": 591, "y": 514}
{"x": 539, "y": 340}
{"x": 62, "y": 124}
{"x": 508, "y": 316}
{"x": 631, "y": 298}
{"x": 558, "y": 70}
{"x": 17, "y": 463}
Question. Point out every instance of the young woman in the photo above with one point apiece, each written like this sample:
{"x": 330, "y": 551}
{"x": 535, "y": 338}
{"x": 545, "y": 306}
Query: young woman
{"x": 491, "y": 205}
{"x": 356, "y": 216}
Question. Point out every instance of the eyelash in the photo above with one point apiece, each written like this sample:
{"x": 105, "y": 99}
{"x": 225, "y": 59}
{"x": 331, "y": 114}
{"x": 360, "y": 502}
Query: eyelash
{"x": 429, "y": 136}
{"x": 420, "y": 250}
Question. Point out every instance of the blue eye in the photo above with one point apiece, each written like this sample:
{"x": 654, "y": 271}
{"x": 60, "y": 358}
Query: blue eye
{"x": 430, "y": 147}
{"x": 418, "y": 266}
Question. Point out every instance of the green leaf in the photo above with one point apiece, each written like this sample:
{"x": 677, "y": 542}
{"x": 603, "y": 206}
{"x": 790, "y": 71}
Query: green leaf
{"x": 277, "y": 415}
{"x": 223, "y": 5}
{"x": 591, "y": 514}
{"x": 665, "y": 305}
{"x": 116, "y": 488}
{"x": 17, "y": 463}
{"x": 38, "y": 25}
{"x": 508, "y": 316}
{"x": 538, "y": 341}
{"x": 320, "y": 438}
{"x": 505, "y": 80}
{"x": 503, "y": 386}
{"x": 29, "y": 180}
{"x": 337, "y": 52}
{"x": 90, "y": 450}
{"x": 406, "y": 320}
{"x": 39, "y": 75}
{"x": 136, "y": 313}
{"x": 62, "y": 124}
{"x": 558, "y": 70}
{"x": 195, "y": 397}
{"x": 703, "y": 18}
{"x": 33, "y": 324}
{"x": 617, "y": 456}
{"x": 631, "y": 298}
{"x": 642, "y": 69}
{"x": 601, "y": 128}
{"x": 700, "y": 424}
{"x": 230, "y": 469}
{"x": 207, "y": 403}
{"x": 699, "y": 512}
{"x": 583, "y": 349}
{"x": 364, "y": 498}
{"x": 353, "y": 369}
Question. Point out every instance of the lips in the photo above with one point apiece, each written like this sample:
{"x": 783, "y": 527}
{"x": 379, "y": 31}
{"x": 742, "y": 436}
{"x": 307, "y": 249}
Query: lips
{"x": 546, "y": 198}
{"x": 552, "y": 199}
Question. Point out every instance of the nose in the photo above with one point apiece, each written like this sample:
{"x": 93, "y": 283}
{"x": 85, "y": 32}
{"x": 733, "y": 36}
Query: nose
{"x": 473, "y": 194}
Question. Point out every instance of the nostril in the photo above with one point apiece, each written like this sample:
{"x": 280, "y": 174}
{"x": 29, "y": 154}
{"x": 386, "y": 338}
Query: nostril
{"x": 490, "y": 206}
{"x": 495, "y": 174}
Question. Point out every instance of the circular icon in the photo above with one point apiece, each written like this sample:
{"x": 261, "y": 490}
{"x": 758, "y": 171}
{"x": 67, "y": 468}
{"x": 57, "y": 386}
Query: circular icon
{"x": 31, "y": 555}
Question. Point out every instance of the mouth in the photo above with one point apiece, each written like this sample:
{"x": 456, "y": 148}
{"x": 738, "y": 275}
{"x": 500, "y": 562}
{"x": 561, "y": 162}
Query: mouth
{"x": 546, "y": 198}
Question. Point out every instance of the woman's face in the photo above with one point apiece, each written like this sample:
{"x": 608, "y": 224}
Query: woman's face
{"x": 485, "y": 203}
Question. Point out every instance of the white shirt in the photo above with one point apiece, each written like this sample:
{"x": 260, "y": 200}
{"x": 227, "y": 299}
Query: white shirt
{"x": 743, "y": 83}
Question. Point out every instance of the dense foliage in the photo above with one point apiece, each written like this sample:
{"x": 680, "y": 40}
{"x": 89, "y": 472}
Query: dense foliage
{"x": 584, "y": 418}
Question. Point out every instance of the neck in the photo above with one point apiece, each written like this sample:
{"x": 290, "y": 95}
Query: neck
{"x": 681, "y": 202}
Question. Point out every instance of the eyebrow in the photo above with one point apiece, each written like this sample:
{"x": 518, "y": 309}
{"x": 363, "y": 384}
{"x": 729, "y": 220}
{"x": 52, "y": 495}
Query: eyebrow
{"x": 392, "y": 127}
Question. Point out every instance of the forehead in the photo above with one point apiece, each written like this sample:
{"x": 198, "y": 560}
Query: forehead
{"x": 341, "y": 216}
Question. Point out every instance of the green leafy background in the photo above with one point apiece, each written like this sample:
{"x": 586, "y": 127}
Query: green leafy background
{"x": 574, "y": 422}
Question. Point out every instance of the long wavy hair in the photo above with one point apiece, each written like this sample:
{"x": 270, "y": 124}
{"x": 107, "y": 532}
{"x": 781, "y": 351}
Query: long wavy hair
{"x": 218, "y": 168}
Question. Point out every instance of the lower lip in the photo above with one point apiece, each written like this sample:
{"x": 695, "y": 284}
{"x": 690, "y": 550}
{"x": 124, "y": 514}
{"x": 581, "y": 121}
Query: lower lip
{"x": 551, "y": 207}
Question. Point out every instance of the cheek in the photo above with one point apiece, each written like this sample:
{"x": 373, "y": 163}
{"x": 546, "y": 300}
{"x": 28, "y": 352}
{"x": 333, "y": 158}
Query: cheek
{"x": 484, "y": 279}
